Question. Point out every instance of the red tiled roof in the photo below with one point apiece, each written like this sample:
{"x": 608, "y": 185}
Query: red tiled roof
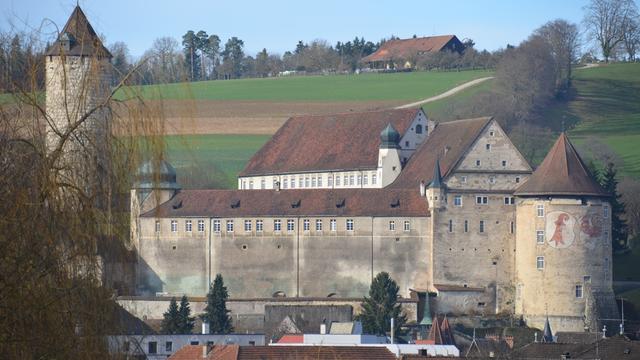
{"x": 291, "y": 339}
{"x": 449, "y": 142}
{"x": 562, "y": 172}
{"x": 218, "y": 352}
{"x": 405, "y": 48}
{"x": 314, "y": 353}
{"x": 441, "y": 332}
{"x": 85, "y": 40}
{"x": 327, "y": 142}
{"x": 298, "y": 202}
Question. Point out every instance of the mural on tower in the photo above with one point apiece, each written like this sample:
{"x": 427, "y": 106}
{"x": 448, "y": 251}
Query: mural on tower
{"x": 591, "y": 229}
{"x": 560, "y": 227}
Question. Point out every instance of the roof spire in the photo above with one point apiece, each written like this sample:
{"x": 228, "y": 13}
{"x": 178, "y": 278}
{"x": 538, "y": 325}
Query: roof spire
{"x": 547, "y": 335}
{"x": 437, "y": 176}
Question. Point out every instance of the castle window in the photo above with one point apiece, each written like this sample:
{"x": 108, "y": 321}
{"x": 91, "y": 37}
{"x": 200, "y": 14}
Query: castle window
{"x": 330, "y": 181}
{"x": 374, "y": 179}
{"x": 419, "y": 129}
{"x": 586, "y": 279}
{"x": 247, "y": 225}
{"x": 277, "y": 225}
{"x": 512, "y": 227}
{"x": 290, "y": 226}
{"x": 517, "y": 179}
{"x": 251, "y": 184}
{"x": 605, "y": 211}
{"x": 504, "y": 163}
{"x": 407, "y": 226}
{"x": 259, "y": 225}
{"x": 457, "y": 200}
{"x": 187, "y": 226}
{"x": 365, "y": 179}
{"x": 301, "y": 182}
{"x": 463, "y": 179}
{"x": 152, "y": 347}
{"x": 174, "y": 225}
{"x": 216, "y": 226}
{"x": 293, "y": 182}
{"x": 482, "y": 200}
{"x": 157, "y": 226}
{"x": 337, "y": 180}
{"x": 478, "y": 162}
{"x": 200, "y": 225}
{"x": 466, "y": 226}
{"x": 332, "y": 225}
{"x": 406, "y": 144}
{"x": 285, "y": 183}
{"x": 313, "y": 181}
{"x": 168, "y": 346}
{"x": 492, "y": 179}
{"x": 392, "y": 225}
{"x": 540, "y": 262}
{"x": 540, "y": 236}
{"x": 306, "y": 225}
{"x": 488, "y": 147}
{"x": 359, "y": 179}
{"x": 492, "y": 133}
{"x": 450, "y": 225}
{"x": 540, "y": 210}
{"x": 318, "y": 225}
{"x": 481, "y": 226}
{"x": 351, "y": 180}
{"x": 320, "y": 181}
{"x": 263, "y": 184}
{"x": 578, "y": 291}
{"x": 349, "y": 224}
{"x": 509, "y": 200}
{"x": 230, "y": 226}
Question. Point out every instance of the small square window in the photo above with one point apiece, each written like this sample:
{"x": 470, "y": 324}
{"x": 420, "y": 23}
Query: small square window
{"x": 488, "y": 147}
{"x": 168, "y": 346}
{"x": 509, "y": 200}
{"x": 517, "y": 179}
{"x": 492, "y": 133}
{"x": 457, "y": 200}
{"x": 482, "y": 200}
{"x": 540, "y": 262}
{"x": 407, "y": 226}
{"x": 586, "y": 279}
{"x": 152, "y": 347}
{"x": 492, "y": 179}
{"x": 463, "y": 179}
{"x": 478, "y": 162}
{"x": 406, "y": 144}
{"x": 504, "y": 163}
{"x": 540, "y": 236}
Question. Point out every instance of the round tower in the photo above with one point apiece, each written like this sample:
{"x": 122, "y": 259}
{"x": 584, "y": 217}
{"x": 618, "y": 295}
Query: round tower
{"x": 563, "y": 245}
{"x": 389, "y": 165}
{"x": 77, "y": 81}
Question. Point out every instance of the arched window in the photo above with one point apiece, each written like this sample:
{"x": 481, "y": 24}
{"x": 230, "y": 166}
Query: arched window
{"x": 419, "y": 129}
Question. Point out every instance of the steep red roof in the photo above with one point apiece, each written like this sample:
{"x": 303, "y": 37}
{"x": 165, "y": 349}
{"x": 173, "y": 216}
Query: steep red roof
{"x": 562, "y": 172}
{"x": 449, "y": 141}
{"x": 405, "y": 48}
{"x": 327, "y": 142}
{"x": 84, "y": 40}
{"x": 314, "y": 353}
{"x": 291, "y": 339}
{"x": 298, "y": 202}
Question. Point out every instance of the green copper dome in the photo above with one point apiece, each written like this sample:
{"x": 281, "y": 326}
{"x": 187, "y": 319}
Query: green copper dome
{"x": 389, "y": 138}
{"x": 156, "y": 175}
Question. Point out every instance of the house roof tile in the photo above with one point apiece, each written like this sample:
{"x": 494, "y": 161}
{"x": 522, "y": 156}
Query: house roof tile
{"x": 405, "y": 48}
{"x": 314, "y": 353}
{"x": 85, "y": 41}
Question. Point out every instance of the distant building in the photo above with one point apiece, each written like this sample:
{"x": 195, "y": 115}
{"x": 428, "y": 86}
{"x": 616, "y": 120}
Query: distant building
{"x": 403, "y": 53}
{"x": 282, "y": 353}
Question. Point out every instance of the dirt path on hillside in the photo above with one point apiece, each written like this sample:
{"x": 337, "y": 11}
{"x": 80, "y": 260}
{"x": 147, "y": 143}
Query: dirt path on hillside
{"x": 447, "y": 93}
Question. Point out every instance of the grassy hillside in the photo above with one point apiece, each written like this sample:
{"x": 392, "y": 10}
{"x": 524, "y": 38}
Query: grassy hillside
{"x": 362, "y": 87}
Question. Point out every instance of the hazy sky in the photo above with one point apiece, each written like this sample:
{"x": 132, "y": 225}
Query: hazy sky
{"x": 278, "y": 25}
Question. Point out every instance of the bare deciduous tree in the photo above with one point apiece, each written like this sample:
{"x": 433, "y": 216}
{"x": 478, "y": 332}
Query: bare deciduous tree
{"x": 563, "y": 39}
{"x": 607, "y": 21}
{"x": 631, "y": 38}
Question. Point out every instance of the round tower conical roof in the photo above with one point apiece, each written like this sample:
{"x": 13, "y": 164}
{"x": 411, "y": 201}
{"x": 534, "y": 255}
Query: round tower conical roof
{"x": 156, "y": 175}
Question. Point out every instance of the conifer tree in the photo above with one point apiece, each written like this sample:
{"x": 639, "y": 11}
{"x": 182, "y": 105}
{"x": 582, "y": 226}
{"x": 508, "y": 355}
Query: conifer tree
{"x": 381, "y": 306}
{"x": 618, "y": 224}
{"x": 185, "y": 321}
{"x": 171, "y": 319}
{"x": 216, "y": 313}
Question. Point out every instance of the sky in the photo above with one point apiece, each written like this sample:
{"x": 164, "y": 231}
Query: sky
{"x": 278, "y": 25}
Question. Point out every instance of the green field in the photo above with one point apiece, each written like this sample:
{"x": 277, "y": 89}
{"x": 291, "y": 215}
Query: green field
{"x": 211, "y": 161}
{"x": 362, "y": 87}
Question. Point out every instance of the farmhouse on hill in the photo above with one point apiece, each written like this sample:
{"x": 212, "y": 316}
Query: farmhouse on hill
{"x": 402, "y": 53}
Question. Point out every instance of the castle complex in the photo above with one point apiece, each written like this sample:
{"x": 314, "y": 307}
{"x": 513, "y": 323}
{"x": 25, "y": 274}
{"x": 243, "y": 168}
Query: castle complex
{"x": 451, "y": 210}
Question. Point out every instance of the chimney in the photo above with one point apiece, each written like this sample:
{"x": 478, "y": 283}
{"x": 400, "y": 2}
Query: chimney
{"x": 204, "y": 351}
{"x": 423, "y": 188}
{"x": 205, "y": 328}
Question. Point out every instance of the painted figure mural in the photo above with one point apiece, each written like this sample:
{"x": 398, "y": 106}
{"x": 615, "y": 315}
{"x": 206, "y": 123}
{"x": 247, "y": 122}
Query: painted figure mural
{"x": 560, "y": 225}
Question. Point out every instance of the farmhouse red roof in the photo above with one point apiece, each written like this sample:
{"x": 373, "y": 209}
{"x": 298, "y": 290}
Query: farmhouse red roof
{"x": 298, "y": 202}
{"x": 347, "y": 141}
{"x": 217, "y": 352}
{"x": 85, "y": 41}
{"x": 314, "y": 353}
{"x": 562, "y": 172}
{"x": 449, "y": 141}
{"x": 404, "y": 48}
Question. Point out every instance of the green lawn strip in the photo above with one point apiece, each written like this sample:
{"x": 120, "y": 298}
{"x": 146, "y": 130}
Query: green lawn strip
{"x": 395, "y": 86}
{"x": 439, "y": 109}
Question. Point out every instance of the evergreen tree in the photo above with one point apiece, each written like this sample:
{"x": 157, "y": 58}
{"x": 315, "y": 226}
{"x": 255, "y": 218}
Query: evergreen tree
{"x": 618, "y": 224}
{"x": 185, "y": 321}
{"x": 216, "y": 313}
{"x": 192, "y": 58}
{"x": 171, "y": 319}
{"x": 381, "y": 306}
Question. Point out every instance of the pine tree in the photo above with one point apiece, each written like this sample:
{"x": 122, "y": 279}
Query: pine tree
{"x": 618, "y": 224}
{"x": 185, "y": 321}
{"x": 171, "y": 319}
{"x": 216, "y": 313}
{"x": 381, "y": 306}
